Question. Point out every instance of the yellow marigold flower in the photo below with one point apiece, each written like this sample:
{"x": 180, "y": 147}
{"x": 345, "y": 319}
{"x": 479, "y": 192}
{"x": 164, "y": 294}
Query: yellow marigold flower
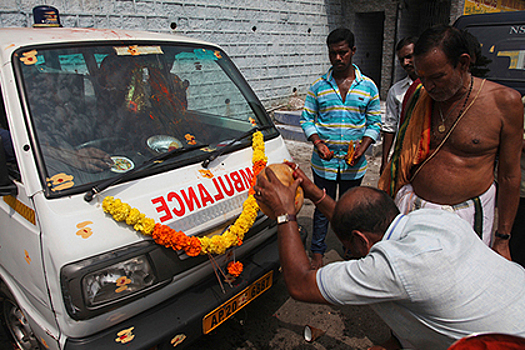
{"x": 121, "y": 211}
{"x": 148, "y": 225}
{"x": 205, "y": 245}
{"x": 133, "y": 217}
{"x": 107, "y": 204}
{"x": 229, "y": 239}
{"x": 217, "y": 245}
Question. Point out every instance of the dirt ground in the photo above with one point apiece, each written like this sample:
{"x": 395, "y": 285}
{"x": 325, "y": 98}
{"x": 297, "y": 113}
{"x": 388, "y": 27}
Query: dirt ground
{"x": 276, "y": 321}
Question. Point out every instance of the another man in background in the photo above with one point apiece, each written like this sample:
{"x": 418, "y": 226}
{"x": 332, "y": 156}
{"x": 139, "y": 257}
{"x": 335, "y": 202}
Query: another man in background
{"x": 394, "y": 99}
{"x": 341, "y": 108}
{"x": 455, "y": 127}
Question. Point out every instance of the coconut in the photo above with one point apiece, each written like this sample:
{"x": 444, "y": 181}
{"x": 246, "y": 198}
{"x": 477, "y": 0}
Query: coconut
{"x": 285, "y": 174}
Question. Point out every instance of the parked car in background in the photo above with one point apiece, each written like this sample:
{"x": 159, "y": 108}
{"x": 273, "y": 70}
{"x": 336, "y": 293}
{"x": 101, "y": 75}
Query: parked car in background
{"x": 502, "y": 39}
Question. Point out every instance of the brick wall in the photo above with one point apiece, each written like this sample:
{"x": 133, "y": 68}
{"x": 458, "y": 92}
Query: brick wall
{"x": 278, "y": 45}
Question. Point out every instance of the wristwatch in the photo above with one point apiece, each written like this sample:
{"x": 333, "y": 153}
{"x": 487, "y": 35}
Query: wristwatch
{"x": 502, "y": 236}
{"x": 283, "y": 219}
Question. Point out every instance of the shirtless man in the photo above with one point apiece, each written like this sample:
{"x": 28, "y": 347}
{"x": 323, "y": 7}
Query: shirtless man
{"x": 455, "y": 171}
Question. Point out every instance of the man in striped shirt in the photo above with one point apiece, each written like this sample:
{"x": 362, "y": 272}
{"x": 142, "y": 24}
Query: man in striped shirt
{"x": 341, "y": 108}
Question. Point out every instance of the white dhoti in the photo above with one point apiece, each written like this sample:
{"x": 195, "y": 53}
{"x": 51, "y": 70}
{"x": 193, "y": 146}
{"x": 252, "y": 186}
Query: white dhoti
{"x": 478, "y": 211}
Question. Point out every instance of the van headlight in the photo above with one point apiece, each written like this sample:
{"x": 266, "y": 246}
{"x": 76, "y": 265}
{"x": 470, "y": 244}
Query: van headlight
{"x": 117, "y": 281}
{"x": 98, "y": 284}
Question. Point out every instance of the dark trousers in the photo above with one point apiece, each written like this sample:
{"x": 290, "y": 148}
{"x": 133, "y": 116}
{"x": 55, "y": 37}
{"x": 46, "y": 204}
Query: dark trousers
{"x": 320, "y": 227}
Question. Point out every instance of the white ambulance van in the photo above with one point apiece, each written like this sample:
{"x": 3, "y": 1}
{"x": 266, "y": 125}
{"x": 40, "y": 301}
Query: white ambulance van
{"x": 162, "y": 126}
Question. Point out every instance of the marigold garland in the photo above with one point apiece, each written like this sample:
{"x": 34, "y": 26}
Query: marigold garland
{"x": 194, "y": 246}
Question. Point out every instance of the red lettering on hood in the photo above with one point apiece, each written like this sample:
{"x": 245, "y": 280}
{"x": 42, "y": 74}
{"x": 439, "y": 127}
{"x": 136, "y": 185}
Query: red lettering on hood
{"x": 247, "y": 177}
{"x": 187, "y": 200}
{"x": 205, "y": 195}
{"x": 178, "y": 212}
{"x": 163, "y": 208}
{"x": 190, "y": 199}
{"x": 231, "y": 190}
{"x": 219, "y": 194}
{"x": 237, "y": 181}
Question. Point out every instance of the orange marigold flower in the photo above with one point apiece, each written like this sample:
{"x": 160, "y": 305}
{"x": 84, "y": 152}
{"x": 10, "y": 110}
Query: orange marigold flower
{"x": 194, "y": 247}
{"x": 180, "y": 241}
{"x": 235, "y": 268}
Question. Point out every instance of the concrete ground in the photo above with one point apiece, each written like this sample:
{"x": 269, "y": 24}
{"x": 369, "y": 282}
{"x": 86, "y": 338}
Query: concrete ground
{"x": 276, "y": 321}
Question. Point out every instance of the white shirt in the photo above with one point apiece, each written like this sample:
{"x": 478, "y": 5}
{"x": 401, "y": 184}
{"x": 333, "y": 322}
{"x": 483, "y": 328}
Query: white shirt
{"x": 433, "y": 281}
{"x": 394, "y": 101}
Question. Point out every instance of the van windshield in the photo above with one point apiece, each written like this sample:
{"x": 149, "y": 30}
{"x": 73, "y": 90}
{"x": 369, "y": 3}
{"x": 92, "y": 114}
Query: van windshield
{"x": 99, "y": 111}
{"x": 503, "y": 51}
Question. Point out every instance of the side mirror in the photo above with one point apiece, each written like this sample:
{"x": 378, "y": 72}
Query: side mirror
{"x": 7, "y": 186}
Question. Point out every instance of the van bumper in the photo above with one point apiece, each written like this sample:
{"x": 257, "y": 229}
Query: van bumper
{"x": 183, "y": 314}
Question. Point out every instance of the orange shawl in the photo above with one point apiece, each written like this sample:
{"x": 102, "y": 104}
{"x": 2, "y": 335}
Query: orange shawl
{"x": 412, "y": 146}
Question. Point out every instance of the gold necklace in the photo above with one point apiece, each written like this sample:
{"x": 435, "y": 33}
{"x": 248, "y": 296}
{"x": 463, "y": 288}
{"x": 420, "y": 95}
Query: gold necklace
{"x": 442, "y": 127}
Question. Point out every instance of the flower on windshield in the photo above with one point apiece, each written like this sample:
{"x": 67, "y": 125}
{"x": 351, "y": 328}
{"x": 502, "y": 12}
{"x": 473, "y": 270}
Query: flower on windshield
{"x": 29, "y": 57}
{"x": 133, "y": 50}
{"x": 190, "y": 139}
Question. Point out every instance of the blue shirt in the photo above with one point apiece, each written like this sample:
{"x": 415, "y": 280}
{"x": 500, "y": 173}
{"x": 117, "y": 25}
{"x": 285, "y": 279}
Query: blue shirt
{"x": 433, "y": 281}
{"x": 337, "y": 122}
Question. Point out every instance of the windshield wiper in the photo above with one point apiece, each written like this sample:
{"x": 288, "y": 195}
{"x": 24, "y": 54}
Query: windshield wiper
{"x": 217, "y": 153}
{"x": 155, "y": 160}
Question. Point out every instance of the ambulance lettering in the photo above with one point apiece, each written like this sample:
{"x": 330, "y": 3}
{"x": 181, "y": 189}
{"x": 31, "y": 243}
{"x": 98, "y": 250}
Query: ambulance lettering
{"x": 179, "y": 203}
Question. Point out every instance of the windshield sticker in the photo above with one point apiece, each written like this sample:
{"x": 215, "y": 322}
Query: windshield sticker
{"x": 84, "y": 231}
{"x": 60, "y": 182}
{"x": 206, "y": 173}
{"x": 135, "y": 50}
{"x": 29, "y": 58}
{"x": 27, "y": 258}
{"x": 200, "y": 54}
{"x": 125, "y": 336}
{"x": 203, "y": 54}
{"x": 252, "y": 121}
{"x": 190, "y": 139}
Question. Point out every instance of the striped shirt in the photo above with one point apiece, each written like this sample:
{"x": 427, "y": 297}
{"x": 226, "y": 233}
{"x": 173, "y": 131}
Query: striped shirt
{"x": 337, "y": 122}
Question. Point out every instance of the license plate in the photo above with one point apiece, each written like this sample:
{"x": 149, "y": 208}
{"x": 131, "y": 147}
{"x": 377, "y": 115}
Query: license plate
{"x": 229, "y": 308}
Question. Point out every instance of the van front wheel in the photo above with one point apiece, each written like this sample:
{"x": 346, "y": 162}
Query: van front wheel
{"x": 17, "y": 325}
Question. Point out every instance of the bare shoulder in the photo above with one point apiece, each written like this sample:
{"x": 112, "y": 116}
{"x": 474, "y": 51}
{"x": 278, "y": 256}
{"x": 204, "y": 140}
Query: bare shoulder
{"x": 504, "y": 99}
{"x": 501, "y": 95}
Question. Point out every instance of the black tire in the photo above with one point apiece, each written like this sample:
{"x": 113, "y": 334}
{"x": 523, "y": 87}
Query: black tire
{"x": 17, "y": 328}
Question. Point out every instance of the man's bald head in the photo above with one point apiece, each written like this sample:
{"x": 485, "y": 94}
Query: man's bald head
{"x": 363, "y": 209}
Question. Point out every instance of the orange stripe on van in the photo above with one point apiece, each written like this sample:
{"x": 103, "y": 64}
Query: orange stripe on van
{"x": 22, "y": 209}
